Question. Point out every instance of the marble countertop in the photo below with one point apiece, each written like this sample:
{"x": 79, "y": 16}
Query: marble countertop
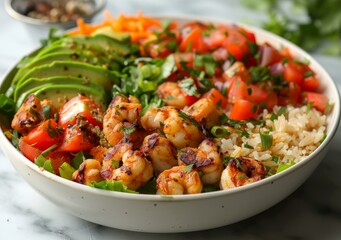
{"x": 312, "y": 212}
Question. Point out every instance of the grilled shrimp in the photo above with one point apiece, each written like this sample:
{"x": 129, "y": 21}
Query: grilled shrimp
{"x": 206, "y": 159}
{"x": 160, "y": 151}
{"x": 122, "y": 121}
{"x": 178, "y": 127}
{"x": 177, "y": 181}
{"x": 88, "y": 172}
{"x": 112, "y": 159}
{"x": 172, "y": 94}
{"x": 241, "y": 171}
{"x": 154, "y": 118}
{"x": 30, "y": 114}
{"x": 135, "y": 171}
{"x": 205, "y": 112}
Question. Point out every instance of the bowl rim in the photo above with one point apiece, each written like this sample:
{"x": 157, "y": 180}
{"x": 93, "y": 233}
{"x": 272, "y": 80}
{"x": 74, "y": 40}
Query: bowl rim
{"x": 23, "y": 18}
{"x": 190, "y": 197}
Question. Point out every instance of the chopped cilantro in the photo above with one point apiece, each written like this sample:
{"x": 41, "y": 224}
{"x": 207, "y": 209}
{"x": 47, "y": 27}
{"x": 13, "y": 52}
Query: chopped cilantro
{"x": 259, "y": 74}
{"x": 78, "y": 159}
{"x": 47, "y": 111}
{"x": 226, "y": 160}
{"x": 128, "y": 130}
{"x": 248, "y": 146}
{"x": 275, "y": 159}
{"x": 189, "y": 87}
{"x": 308, "y": 74}
{"x": 188, "y": 118}
{"x": 148, "y": 188}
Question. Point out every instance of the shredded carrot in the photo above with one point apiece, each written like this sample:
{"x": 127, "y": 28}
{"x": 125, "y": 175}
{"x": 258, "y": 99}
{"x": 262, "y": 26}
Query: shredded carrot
{"x": 139, "y": 27}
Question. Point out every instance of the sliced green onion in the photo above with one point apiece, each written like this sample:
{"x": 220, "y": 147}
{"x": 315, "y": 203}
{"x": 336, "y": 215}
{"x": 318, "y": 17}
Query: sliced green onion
{"x": 309, "y": 106}
{"x": 283, "y": 166}
{"x": 266, "y": 140}
{"x": 66, "y": 171}
{"x": 219, "y": 131}
{"x": 48, "y": 166}
{"x": 117, "y": 186}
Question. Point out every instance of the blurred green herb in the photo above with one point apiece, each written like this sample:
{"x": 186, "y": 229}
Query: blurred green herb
{"x": 320, "y": 28}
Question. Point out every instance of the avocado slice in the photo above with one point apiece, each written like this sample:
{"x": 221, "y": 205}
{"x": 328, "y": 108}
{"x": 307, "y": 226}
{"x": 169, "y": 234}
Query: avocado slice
{"x": 86, "y": 57}
{"x": 36, "y": 82}
{"x": 59, "y": 94}
{"x": 85, "y": 71}
{"x": 108, "y": 31}
{"x": 99, "y": 43}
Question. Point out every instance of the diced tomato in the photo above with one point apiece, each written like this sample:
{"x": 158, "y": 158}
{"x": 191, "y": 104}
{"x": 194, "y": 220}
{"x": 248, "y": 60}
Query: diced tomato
{"x": 290, "y": 95}
{"x": 216, "y": 38}
{"x": 177, "y": 76}
{"x": 249, "y": 35}
{"x": 243, "y": 110}
{"x": 237, "y": 90}
{"x": 310, "y": 84}
{"x": 31, "y": 152}
{"x": 183, "y": 59}
{"x": 80, "y": 106}
{"x": 319, "y": 101}
{"x": 189, "y": 27}
{"x": 58, "y": 158}
{"x": 45, "y": 135}
{"x": 190, "y": 99}
{"x": 220, "y": 54}
{"x": 285, "y": 52}
{"x": 194, "y": 42}
{"x": 237, "y": 44}
{"x": 78, "y": 139}
{"x": 240, "y": 90}
{"x": 271, "y": 100}
{"x": 236, "y": 51}
{"x": 216, "y": 97}
{"x": 294, "y": 72}
{"x": 255, "y": 94}
{"x": 237, "y": 69}
{"x": 157, "y": 50}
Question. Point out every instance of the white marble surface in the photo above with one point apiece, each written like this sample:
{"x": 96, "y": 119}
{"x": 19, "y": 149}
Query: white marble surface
{"x": 312, "y": 212}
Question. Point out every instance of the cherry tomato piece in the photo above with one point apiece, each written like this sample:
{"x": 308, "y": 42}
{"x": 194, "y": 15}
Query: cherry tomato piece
{"x": 80, "y": 106}
{"x": 78, "y": 139}
{"x": 319, "y": 101}
{"x": 45, "y": 135}
{"x": 243, "y": 110}
{"x": 216, "y": 97}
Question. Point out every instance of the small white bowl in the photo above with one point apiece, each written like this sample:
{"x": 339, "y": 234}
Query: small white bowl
{"x": 18, "y": 9}
{"x": 155, "y": 213}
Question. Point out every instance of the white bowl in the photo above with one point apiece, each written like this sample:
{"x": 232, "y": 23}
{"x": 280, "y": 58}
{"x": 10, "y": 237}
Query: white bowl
{"x": 154, "y": 213}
